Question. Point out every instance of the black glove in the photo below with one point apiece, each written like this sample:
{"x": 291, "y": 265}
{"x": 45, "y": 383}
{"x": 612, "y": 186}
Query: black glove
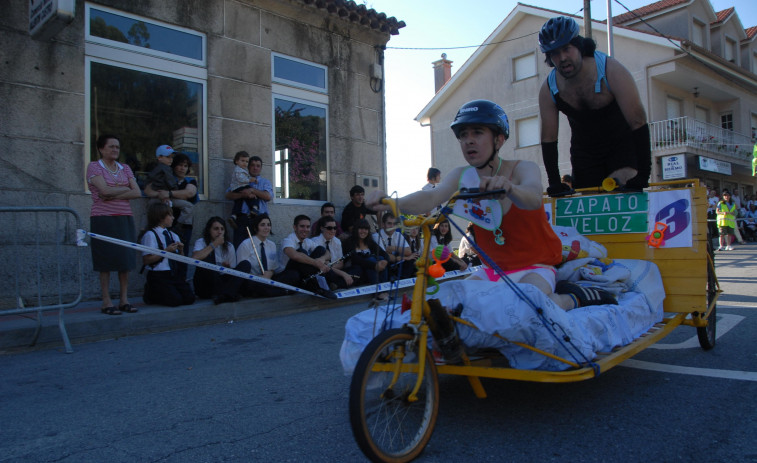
{"x": 559, "y": 189}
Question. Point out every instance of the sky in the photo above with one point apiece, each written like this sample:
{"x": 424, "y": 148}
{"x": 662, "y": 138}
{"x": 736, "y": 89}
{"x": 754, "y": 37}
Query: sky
{"x": 445, "y": 26}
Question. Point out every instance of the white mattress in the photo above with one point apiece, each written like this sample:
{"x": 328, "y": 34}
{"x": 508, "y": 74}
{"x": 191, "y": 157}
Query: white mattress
{"x": 496, "y": 308}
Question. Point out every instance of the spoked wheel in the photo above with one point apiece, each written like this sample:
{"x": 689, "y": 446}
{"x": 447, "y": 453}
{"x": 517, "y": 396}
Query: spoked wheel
{"x": 387, "y": 425}
{"x": 707, "y": 334}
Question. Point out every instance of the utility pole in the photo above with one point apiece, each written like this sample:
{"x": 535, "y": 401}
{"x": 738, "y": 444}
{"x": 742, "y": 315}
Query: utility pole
{"x": 610, "y": 50}
{"x": 587, "y": 19}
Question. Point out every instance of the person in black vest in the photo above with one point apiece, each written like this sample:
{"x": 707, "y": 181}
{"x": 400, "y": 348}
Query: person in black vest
{"x": 165, "y": 285}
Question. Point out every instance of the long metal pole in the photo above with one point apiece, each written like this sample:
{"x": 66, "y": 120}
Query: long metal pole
{"x": 587, "y": 19}
{"x": 610, "y": 49}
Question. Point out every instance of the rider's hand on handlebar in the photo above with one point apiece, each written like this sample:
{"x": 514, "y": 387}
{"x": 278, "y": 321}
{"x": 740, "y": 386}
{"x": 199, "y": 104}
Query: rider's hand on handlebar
{"x": 373, "y": 201}
{"x": 559, "y": 189}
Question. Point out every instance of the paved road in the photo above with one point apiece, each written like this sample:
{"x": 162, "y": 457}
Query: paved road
{"x": 272, "y": 390}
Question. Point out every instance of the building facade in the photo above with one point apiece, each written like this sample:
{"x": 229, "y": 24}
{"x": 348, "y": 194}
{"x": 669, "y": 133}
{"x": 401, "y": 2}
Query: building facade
{"x": 297, "y": 82}
{"x": 694, "y": 68}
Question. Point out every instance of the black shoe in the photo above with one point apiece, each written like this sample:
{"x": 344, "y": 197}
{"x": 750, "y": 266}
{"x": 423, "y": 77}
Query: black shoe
{"x": 325, "y": 293}
{"x": 585, "y": 295}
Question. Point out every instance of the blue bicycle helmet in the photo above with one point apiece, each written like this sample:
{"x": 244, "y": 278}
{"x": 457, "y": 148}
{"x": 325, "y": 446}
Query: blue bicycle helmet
{"x": 556, "y": 33}
{"x": 482, "y": 112}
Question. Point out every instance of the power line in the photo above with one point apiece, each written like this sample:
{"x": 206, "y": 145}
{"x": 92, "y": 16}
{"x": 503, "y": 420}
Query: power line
{"x": 462, "y": 46}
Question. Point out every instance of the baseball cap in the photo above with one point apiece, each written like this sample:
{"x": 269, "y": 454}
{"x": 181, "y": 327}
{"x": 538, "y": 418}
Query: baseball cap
{"x": 164, "y": 150}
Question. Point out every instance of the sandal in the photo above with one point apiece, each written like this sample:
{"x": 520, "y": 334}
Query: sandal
{"x": 110, "y": 311}
{"x": 127, "y": 308}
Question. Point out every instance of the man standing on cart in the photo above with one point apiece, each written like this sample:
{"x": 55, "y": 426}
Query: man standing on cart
{"x": 511, "y": 228}
{"x": 609, "y": 131}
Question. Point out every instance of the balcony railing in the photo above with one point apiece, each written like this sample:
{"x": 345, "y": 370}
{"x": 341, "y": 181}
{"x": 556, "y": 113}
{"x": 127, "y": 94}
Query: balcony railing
{"x": 685, "y": 132}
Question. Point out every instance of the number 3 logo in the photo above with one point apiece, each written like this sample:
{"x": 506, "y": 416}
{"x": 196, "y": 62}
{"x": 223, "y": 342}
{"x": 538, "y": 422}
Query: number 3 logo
{"x": 675, "y": 216}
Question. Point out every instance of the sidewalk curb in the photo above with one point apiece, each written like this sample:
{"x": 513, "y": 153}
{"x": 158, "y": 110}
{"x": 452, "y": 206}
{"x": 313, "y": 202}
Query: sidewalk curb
{"x": 85, "y": 325}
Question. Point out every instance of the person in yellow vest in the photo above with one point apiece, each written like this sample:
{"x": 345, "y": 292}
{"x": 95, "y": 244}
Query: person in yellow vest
{"x": 726, "y": 212}
{"x": 754, "y": 161}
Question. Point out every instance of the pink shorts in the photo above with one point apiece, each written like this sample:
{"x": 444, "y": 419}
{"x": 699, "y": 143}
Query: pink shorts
{"x": 545, "y": 271}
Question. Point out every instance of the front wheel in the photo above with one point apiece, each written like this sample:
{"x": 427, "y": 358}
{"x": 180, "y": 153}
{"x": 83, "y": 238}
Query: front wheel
{"x": 387, "y": 425}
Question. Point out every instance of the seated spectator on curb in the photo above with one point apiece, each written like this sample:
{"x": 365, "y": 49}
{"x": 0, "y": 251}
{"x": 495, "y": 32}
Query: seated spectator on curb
{"x": 367, "y": 261}
{"x": 356, "y": 209}
{"x": 441, "y": 235}
{"x": 336, "y": 277}
{"x": 467, "y": 251}
{"x": 215, "y": 248}
{"x": 391, "y": 240}
{"x": 415, "y": 241}
{"x": 165, "y": 286}
{"x": 302, "y": 261}
{"x": 328, "y": 209}
{"x": 261, "y": 253}
{"x": 261, "y": 190}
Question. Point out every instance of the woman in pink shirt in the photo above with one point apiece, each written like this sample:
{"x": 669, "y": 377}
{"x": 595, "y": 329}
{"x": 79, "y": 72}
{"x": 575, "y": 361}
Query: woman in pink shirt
{"x": 112, "y": 186}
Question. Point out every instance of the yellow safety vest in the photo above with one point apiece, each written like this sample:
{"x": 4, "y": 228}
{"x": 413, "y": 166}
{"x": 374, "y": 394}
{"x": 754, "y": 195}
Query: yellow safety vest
{"x": 729, "y": 218}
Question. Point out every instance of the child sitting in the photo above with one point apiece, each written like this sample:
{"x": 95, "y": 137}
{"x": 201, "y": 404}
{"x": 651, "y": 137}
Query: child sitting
{"x": 240, "y": 180}
{"x": 165, "y": 285}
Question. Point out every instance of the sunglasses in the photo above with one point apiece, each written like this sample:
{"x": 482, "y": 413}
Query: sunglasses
{"x": 332, "y": 228}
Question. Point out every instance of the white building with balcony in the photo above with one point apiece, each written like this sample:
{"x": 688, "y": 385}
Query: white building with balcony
{"x": 695, "y": 70}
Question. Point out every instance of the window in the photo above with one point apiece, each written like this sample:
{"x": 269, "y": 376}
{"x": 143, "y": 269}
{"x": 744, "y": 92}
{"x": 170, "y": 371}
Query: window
{"x": 143, "y": 83}
{"x": 754, "y": 128}
{"x": 730, "y": 50}
{"x": 528, "y": 132}
{"x": 701, "y": 114}
{"x": 300, "y": 118}
{"x": 673, "y": 107}
{"x": 299, "y": 73}
{"x": 726, "y": 121}
{"x": 697, "y": 34}
{"x": 524, "y": 67}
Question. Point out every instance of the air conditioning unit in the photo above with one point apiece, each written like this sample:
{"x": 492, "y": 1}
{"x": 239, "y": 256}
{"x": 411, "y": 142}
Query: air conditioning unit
{"x": 369, "y": 182}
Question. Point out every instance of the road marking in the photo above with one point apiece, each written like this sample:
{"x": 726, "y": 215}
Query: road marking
{"x": 725, "y": 322}
{"x": 710, "y": 372}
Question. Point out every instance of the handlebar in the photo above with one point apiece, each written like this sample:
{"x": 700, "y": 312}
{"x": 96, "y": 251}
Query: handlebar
{"x": 470, "y": 193}
{"x": 463, "y": 193}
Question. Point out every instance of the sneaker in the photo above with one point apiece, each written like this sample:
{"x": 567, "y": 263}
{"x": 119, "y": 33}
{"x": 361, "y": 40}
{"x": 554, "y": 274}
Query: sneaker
{"x": 729, "y": 248}
{"x": 232, "y": 222}
{"x": 585, "y": 295}
{"x": 721, "y": 248}
{"x": 325, "y": 293}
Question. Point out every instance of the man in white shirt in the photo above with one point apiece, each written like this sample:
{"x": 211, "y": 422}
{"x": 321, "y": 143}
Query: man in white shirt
{"x": 333, "y": 248}
{"x": 391, "y": 240}
{"x": 301, "y": 260}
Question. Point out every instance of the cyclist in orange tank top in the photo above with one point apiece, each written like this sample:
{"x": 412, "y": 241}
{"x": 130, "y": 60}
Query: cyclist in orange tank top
{"x": 512, "y": 227}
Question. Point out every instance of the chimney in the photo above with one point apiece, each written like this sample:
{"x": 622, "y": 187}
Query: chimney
{"x": 442, "y": 72}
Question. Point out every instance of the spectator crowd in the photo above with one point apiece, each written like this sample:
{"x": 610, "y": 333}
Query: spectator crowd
{"x": 320, "y": 255}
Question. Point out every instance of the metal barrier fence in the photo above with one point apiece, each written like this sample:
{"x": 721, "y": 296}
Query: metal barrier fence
{"x": 40, "y": 263}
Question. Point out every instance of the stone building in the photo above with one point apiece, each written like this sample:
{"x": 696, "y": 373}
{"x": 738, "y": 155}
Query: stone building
{"x": 297, "y": 82}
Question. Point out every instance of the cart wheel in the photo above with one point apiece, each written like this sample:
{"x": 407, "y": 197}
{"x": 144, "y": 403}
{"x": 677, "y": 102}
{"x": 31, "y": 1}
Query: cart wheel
{"x": 706, "y": 334}
{"x": 386, "y": 426}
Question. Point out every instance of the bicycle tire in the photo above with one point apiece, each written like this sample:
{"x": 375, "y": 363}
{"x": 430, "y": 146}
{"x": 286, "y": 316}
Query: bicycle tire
{"x": 707, "y": 334}
{"x": 385, "y": 425}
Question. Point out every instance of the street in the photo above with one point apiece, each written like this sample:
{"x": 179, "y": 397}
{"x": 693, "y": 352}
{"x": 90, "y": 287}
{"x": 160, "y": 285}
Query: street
{"x": 273, "y": 390}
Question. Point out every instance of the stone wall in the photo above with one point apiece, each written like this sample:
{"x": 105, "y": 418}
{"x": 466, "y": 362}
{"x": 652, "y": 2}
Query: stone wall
{"x": 43, "y": 147}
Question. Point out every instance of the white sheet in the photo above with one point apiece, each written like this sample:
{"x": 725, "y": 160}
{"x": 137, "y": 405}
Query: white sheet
{"x": 495, "y": 308}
